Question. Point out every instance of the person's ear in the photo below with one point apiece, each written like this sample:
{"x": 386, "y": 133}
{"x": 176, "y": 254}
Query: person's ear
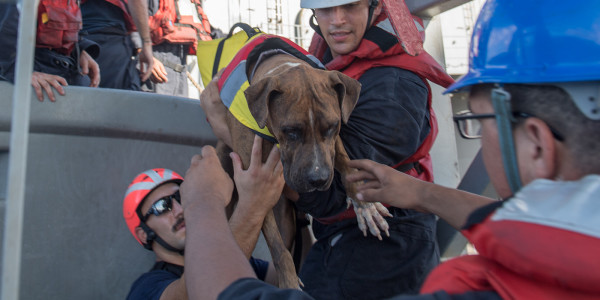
{"x": 536, "y": 148}
{"x": 141, "y": 234}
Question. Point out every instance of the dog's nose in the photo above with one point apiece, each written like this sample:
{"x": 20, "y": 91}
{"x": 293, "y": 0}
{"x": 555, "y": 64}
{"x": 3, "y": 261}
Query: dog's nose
{"x": 318, "y": 177}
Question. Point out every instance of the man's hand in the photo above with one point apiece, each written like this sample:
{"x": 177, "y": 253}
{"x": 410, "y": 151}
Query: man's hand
{"x": 159, "y": 74}
{"x": 46, "y": 81}
{"x": 90, "y": 68}
{"x": 384, "y": 184}
{"x": 215, "y": 110}
{"x": 260, "y": 186}
{"x": 206, "y": 183}
{"x": 146, "y": 60}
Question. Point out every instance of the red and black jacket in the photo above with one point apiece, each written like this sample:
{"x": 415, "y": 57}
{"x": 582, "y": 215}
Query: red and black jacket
{"x": 404, "y": 129}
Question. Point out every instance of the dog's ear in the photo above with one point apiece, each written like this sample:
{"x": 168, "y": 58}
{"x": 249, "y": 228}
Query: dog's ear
{"x": 348, "y": 90}
{"x": 258, "y": 95}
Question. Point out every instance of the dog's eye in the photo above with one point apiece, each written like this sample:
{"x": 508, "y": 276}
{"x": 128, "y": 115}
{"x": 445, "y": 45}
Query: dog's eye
{"x": 292, "y": 134}
{"x": 332, "y": 130}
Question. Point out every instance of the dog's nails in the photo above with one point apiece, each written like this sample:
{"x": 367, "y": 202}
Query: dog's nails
{"x": 375, "y": 232}
{"x": 382, "y": 209}
{"x": 362, "y": 227}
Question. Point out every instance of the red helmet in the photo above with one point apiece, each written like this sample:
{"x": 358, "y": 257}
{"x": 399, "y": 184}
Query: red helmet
{"x": 142, "y": 185}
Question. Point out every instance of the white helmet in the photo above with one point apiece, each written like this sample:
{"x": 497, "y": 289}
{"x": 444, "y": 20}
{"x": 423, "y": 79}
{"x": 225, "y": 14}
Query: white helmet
{"x": 311, "y": 4}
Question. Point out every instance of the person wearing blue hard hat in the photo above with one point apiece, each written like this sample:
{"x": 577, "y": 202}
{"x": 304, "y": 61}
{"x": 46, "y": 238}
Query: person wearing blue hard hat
{"x": 534, "y": 99}
{"x": 534, "y": 96}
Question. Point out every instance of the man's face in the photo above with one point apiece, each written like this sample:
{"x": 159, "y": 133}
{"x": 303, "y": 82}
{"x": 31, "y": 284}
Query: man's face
{"x": 344, "y": 26}
{"x": 480, "y": 103}
{"x": 170, "y": 225}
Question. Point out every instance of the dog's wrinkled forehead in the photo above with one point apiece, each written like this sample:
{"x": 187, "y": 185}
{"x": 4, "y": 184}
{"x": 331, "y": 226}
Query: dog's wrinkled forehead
{"x": 263, "y": 56}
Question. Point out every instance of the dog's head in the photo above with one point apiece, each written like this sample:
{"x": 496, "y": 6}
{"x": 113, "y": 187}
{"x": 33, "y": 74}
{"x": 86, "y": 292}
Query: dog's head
{"x": 304, "y": 109}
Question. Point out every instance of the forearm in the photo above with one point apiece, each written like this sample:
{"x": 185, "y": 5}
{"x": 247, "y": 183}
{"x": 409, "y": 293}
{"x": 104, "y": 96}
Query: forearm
{"x": 245, "y": 226}
{"x": 139, "y": 13}
{"x": 213, "y": 259}
{"x": 452, "y": 205}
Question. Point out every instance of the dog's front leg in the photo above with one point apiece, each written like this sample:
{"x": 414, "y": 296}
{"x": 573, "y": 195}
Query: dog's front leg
{"x": 368, "y": 214}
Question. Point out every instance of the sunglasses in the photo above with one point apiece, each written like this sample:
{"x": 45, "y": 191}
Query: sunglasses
{"x": 162, "y": 205}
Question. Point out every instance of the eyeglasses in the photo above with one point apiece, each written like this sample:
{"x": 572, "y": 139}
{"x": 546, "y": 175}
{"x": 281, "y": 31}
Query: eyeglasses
{"x": 162, "y": 205}
{"x": 469, "y": 125}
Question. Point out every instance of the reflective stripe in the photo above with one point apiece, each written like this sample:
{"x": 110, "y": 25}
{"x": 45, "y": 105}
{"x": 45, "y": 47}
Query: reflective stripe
{"x": 153, "y": 175}
{"x": 148, "y": 185}
{"x": 167, "y": 174}
{"x": 140, "y": 186}
{"x": 316, "y": 60}
{"x": 387, "y": 26}
{"x": 233, "y": 83}
{"x": 568, "y": 205}
{"x": 419, "y": 27}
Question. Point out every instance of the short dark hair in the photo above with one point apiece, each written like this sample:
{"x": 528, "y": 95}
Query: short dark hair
{"x": 554, "y": 105}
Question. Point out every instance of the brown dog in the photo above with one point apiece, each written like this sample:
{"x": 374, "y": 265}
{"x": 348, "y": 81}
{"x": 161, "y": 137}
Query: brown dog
{"x": 303, "y": 107}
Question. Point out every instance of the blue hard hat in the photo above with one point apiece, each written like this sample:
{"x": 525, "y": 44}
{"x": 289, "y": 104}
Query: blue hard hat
{"x": 529, "y": 41}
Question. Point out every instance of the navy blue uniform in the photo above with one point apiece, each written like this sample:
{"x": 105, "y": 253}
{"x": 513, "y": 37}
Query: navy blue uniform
{"x": 152, "y": 284}
{"x": 104, "y": 24}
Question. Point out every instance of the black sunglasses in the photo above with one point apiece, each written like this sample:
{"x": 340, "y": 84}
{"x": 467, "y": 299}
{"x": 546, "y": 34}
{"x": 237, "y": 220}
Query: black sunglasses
{"x": 162, "y": 205}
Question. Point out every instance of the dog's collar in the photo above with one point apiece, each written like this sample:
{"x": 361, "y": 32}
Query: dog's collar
{"x": 269, "y": 138}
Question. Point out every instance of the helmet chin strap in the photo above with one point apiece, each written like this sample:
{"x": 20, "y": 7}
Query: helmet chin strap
{"x": 372, "y": 5}
{"x": 152, "y": 236}
{"x": 314, "y": 25}
{"x": 504, "y": 118}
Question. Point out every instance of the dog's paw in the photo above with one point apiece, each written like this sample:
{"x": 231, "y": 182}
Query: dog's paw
{"x": 370, "y": 215}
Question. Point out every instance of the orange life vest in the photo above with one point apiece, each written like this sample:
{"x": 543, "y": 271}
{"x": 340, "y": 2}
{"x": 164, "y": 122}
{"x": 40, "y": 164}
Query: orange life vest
{"x": 58, "y": 25}
{"x": 167, "y": 24}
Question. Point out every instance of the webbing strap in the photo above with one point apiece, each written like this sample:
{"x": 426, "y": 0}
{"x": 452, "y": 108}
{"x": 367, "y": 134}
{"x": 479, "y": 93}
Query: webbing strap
{"x": 504, "y": 118}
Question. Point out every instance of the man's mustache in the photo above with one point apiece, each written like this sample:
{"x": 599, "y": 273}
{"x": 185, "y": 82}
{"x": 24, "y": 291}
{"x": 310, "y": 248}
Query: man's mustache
{"x": 181, "y": 220}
